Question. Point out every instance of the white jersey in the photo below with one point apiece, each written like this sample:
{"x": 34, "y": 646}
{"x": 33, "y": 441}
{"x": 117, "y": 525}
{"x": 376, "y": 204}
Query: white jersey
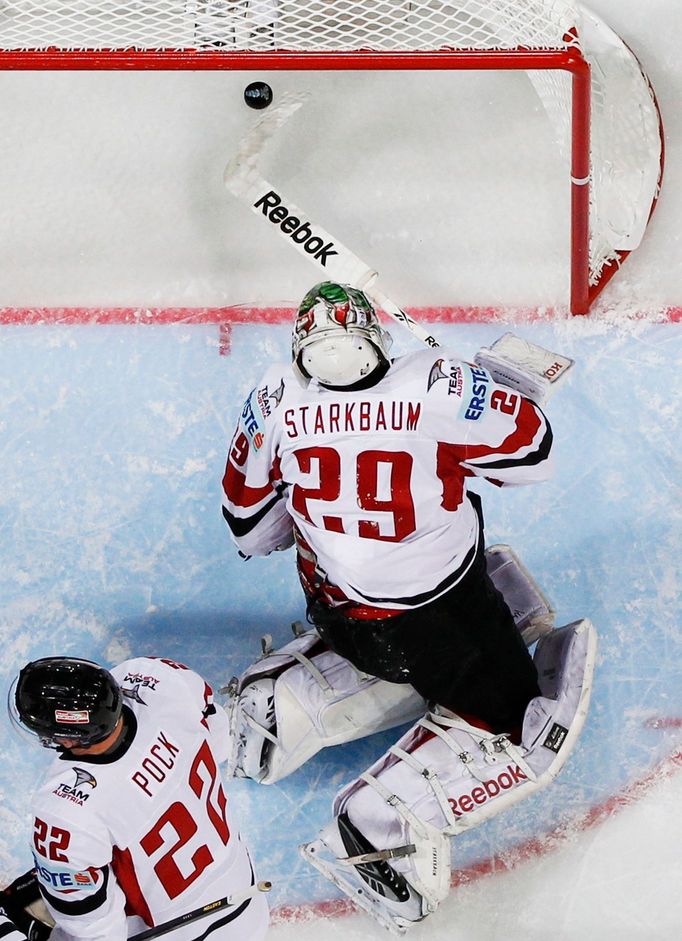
{"x": 146, "y": 830}
{"x": 375, "y": 480}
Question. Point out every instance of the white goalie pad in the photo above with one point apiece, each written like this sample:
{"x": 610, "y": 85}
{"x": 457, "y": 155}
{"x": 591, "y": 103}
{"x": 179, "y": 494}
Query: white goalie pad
{"x": 532, "y": 612}
{"x": 530, "y": 369}
{"x": 445, "y": 776}
{"x": 295, "y": 701}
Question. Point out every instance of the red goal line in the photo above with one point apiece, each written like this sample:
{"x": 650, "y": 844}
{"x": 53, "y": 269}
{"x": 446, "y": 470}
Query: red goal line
{"x": 244, "y": 314}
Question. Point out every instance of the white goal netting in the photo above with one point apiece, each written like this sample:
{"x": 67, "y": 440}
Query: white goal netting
{"x": 625, "y": 156}
{"x": 301, "y": 25}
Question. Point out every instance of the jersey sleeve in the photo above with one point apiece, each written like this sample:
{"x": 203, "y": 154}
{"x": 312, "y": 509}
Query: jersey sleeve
{"x": 73, "y": 866}
{"x": 254, "y": 504}
{"x": 499, "y": 434}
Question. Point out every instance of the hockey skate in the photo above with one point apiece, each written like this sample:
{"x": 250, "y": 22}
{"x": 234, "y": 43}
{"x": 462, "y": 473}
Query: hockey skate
{"x": 445, "y": 776}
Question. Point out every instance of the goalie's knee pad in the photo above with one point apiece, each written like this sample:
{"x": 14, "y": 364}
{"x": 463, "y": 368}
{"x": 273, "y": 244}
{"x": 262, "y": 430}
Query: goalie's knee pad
{"x": 445, "y": 776}
{"x": 532, "y": 612}
{"x": 295, "y": 701}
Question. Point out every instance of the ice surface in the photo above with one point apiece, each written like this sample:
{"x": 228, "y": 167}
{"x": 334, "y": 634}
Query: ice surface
{"x": 113, "y": 441}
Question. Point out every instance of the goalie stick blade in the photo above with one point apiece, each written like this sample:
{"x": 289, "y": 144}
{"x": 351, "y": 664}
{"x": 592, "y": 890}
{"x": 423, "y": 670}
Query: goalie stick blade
{"x": 255, "y": 140}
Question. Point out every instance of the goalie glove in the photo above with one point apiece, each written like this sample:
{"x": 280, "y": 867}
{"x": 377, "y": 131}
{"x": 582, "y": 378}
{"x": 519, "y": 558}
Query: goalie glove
{"x": 530, "y": 369}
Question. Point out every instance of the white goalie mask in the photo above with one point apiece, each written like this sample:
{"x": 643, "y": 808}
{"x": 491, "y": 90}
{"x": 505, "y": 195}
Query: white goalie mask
{"x": 337, "y": 337}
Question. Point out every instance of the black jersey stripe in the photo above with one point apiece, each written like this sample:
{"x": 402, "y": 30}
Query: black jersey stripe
{"x": 535, "y": 457}
{"x": 242, "y": 527}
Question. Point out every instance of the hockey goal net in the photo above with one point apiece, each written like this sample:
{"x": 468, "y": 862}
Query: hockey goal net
{"x": 600, "y": 102}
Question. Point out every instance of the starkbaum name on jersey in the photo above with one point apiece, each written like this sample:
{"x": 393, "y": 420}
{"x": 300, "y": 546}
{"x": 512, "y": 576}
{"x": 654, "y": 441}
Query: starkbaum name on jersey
{"x": 300, "y": 232}
{"x": 338, "y": 418}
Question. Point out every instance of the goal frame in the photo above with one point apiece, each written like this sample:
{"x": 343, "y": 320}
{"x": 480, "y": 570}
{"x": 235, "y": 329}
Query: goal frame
{"x": 570, "y": 59}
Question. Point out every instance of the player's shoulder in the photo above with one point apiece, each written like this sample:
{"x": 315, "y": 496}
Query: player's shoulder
{"x": 143, "y": 679}
{"x": 264, "y": 402}
{"x": 66, "y": 794}
{"x": 433, "y": 371}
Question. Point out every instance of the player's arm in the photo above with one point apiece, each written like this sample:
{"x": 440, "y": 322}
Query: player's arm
{"x": 503, "y": 435}
{"x": 76, "y": 880}
{"x": 254, "y": 504}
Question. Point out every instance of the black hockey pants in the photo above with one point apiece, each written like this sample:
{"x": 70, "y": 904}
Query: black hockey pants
{"x": 462, "y": 650}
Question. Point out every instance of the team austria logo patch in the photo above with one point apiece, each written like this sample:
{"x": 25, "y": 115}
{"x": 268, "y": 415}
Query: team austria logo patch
{"x": 444, "y": 369}
{"x": 78, "y": 791}
{"x": 138, "y": 681}
{"x": 264, "y": 398}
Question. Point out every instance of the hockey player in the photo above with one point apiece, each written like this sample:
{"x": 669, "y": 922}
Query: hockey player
{"x": 131, "y": 818}
{"x": 363, "y": 461}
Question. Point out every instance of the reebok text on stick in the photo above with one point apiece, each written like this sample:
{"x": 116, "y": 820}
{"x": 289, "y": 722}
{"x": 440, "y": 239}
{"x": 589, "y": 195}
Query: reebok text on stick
{"x": 298, "y": 231}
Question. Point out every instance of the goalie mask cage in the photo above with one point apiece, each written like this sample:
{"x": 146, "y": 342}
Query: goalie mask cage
{"x": 598, "y": 99}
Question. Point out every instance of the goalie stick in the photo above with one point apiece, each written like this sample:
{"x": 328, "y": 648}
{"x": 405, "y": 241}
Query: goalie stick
{"x": 243, "y": 179}
{"x": 523, "y": 365}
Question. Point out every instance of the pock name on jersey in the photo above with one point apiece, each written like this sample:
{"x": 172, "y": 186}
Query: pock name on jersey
{"x": 155, "y": 766}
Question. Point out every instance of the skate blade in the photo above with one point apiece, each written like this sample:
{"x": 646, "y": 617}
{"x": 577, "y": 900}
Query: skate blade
{"x": 339, "y": 874}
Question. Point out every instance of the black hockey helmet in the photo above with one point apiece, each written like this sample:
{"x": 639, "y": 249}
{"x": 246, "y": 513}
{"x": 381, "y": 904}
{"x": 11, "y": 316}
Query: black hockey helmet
{"x": 62, "y": 698}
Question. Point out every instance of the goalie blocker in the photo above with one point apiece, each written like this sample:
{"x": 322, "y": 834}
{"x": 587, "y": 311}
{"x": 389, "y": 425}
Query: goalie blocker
{"x": 388, "y": 844}
{"x": 293, "y": 702}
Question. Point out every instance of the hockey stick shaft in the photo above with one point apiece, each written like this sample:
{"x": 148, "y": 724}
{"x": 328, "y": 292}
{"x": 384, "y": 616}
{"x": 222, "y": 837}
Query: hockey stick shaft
{"x": 229, "y": 902}
{"x": 243, "y": 179}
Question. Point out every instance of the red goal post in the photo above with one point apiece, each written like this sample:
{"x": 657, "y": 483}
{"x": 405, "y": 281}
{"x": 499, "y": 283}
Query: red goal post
{"x": 599, "y": 100}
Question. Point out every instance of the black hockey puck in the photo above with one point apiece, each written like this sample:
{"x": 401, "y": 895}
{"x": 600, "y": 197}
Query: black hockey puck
{"x": 258, "y": 95}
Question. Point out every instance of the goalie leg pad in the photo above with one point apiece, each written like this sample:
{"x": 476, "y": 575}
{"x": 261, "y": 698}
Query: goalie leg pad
{"x": 295, "y": 701}
{"x": 445, "y": 776}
